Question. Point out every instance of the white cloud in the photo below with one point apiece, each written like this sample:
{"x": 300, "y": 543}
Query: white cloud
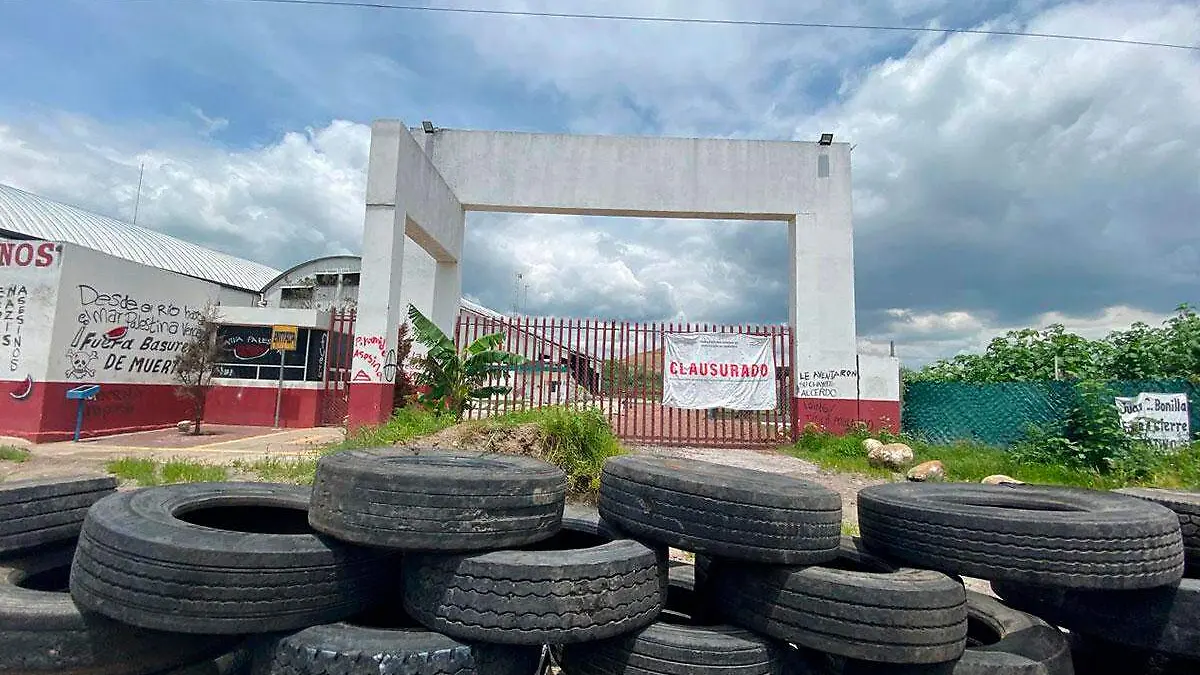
{"x": 281, "y": 203}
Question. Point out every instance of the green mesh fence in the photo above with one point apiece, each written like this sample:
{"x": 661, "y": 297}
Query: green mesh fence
{"x": 1000, "y": 414}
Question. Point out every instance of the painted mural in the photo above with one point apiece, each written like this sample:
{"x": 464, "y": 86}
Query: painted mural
{"x": 124, "y": 326}
{"x": 29, "y": 275}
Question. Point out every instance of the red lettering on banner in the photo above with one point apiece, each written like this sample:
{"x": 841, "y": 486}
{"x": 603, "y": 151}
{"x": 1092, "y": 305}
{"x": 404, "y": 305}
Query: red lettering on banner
{"x": 744, "y": 370}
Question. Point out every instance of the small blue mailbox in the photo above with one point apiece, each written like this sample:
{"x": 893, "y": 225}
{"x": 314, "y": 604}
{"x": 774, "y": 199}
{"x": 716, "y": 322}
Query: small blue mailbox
{"x": 82, "y": 393}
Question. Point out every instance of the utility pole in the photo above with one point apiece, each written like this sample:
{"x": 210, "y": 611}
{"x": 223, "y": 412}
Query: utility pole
{"x": 137, "y": 200}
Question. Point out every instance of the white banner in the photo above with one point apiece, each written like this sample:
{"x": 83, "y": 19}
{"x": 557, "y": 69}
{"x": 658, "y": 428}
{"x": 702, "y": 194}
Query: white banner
{"x": 1160, "y": 419}
{"x": 719, "y": 370}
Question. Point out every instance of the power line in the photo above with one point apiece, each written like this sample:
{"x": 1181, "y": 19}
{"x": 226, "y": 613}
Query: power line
{"x": 362, "y": 4}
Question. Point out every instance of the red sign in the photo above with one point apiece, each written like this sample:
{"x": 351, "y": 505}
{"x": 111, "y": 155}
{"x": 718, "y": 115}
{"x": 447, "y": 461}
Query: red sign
{"x": 27, "y": 254}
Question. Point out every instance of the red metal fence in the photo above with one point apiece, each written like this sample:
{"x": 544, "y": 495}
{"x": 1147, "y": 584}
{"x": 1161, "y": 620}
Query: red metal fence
{"x": 339, "y": 355}
{"x": 617, "y": 367}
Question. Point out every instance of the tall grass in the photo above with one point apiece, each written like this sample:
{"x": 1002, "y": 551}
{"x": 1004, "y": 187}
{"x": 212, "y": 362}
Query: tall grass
{"x": 972, "y": 462}
{"x": 404, "y": 425}
{"x": 577, "y": 440}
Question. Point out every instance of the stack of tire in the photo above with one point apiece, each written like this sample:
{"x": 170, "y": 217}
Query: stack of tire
{"x": 420, "y": 562}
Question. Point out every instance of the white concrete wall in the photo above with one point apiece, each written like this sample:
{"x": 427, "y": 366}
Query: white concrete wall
{"x": 407, "y": 202}
{"x": 628, "y": 175}
{"x": 803, "y": 183}
{"x": 879, "y": 377}
{"x": 233, "y": 297}
{"x": 29, "y": 279}
{"x": 99, "y": 293}
{"x": 269, "y": 316}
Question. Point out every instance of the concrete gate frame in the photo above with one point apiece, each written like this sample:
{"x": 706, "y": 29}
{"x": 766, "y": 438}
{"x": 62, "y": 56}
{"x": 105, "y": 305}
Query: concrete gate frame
{"x": 422, "y": 181}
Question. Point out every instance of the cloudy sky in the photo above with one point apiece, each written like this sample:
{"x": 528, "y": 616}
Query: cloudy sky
{"x": 999, "y": 182}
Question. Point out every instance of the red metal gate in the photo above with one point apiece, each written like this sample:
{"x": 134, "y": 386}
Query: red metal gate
{"x": 617, "y": 367}
{"x": 339, "y": 355}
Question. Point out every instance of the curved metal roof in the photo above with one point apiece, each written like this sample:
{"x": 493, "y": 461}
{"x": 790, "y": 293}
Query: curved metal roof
{"x": 33, "y": 216}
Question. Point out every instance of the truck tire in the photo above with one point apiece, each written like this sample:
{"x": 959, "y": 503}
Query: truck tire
{"x": 1164, "y": 619}
{"x": 1001, "y": 641}
{"x": 722, "y": 510}
{"x": 347, "y": 649}
{"x": 677, "y": 644}
{"x": 44, "y": 511}
{"x": 420, "y": 499}
{"x": 1035, "y": 534}
{"x": 1186, "y": 506}
{"x": 219, "y": 558}
{"x": 43, "y": 631}
{"x": 580, "y": 585}
{"x": 858, "y": 607}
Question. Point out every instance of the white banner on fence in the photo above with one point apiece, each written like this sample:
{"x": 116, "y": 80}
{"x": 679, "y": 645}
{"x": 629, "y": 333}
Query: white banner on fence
{"x": 1161, "y": 419}
{"x": 719, "y": 370}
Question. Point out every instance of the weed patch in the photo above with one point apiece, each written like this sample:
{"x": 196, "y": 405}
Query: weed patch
{"x": 12, "y": 453}
{"x": 280, "y": 470}
{"x": 405, "y": 425}
{"x": 183, "y": 471}
{"x": 146, "y": 472}
{"x": 143, "y": 471}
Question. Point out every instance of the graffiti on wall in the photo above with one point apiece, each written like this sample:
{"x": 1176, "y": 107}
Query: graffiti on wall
{"x": 28, "y": 280}
{"x": 126, "y": 333}
{"x": 373, "y": 361}
{"x": 828, "y": 383}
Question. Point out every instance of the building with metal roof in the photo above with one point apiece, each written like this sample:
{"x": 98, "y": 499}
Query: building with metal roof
{"x": 28, "y": 216}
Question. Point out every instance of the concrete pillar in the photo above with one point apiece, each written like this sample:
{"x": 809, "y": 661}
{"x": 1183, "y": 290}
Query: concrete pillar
{"x": 447, "y": 294}
{"x": 821, "y": 309}
{"x": 372, "y": 380}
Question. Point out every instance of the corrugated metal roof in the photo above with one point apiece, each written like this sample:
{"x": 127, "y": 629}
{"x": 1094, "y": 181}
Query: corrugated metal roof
{"x": 34, "y": 216}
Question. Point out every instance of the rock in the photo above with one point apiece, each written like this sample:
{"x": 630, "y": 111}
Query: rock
{"x": 893, "y": 456}
{"x": 870, "y": 444}
{"x": 932, "y": 470}
{"x": 1001, "y": 479}
{"x": 185, "y": 426}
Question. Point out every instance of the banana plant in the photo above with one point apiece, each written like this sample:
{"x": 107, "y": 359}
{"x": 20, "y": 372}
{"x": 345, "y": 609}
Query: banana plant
{"x": 453, "y": 378}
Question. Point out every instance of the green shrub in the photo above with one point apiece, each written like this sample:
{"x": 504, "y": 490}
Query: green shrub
{"x": 1089, "y": 437}
{"x": 578, "y": 442}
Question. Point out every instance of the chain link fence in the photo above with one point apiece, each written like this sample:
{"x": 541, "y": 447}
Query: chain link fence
{"x": 1000, "y": 414}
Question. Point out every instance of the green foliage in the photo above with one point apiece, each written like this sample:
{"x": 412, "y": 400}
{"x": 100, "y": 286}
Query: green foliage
{"x": 300, "y": 471}
{"x": 1089, "y": 436}
{"x": 12, "y": 453}
{"x": 1171, "y": 351}
{"x": 185, "y": 471}
{"x": 971, "y": 462}
{"x": 404, "y": 425}
{"x": 455, "y": 378}
{"x": 143, "y": 471}
{"x": 578, "y": 441}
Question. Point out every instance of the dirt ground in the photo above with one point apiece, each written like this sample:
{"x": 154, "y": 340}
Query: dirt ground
{"x": 217, "y": 444}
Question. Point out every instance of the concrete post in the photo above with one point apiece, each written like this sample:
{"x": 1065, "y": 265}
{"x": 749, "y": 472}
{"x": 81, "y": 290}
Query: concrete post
{"x": 821, "y": 310}
{"x": 372, "y": 382}
{"x": 447, "y": 293}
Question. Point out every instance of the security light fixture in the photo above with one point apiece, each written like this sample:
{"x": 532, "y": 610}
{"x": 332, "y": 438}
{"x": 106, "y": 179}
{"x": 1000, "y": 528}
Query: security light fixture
{"x": 428, "y": 126}
{"x": 826, "y": 139}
